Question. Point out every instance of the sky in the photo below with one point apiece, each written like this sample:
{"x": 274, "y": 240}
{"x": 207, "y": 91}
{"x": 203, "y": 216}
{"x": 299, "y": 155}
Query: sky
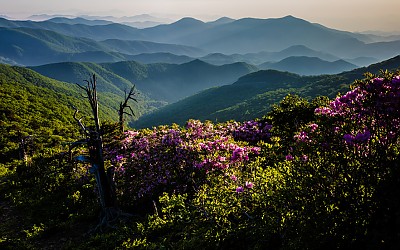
{"x": 350, "y": 15}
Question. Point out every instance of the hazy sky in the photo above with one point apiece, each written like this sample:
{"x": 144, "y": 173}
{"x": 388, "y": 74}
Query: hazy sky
{"x": 352, "y": 15}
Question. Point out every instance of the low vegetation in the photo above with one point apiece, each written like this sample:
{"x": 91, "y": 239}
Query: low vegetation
{"x": 306, "y": 175}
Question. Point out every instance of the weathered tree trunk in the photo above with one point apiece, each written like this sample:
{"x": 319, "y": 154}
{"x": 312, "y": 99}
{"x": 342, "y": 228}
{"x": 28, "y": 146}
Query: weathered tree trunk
{"x": 121, "y": 118}
{"x": 110, "y": 213}
{"x": 106, "y": 193}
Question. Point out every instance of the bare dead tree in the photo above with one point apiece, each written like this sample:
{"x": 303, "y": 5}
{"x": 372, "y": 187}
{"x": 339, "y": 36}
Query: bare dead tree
{"x": 25, "y": 151}
{"x": 93, "y": 140}
{"x": 123, "y": 105}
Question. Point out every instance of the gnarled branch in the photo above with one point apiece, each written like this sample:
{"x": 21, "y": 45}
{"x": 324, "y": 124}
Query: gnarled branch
{"x": 79, "y": 121}
{"x": 123, "y": 105}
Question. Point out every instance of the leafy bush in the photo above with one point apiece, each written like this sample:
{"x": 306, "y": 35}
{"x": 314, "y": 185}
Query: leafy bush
{"x": 318, "y": 177}
{"x": 177, "y": 160}
{"x": 309, "y": 175}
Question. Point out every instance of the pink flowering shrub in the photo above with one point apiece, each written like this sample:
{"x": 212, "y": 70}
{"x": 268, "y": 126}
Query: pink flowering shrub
{"x": 310, "y": 175}
{"x": 177, "y": 160}
{"x": 253, "y": 131}
{"x": 344, "y": 157}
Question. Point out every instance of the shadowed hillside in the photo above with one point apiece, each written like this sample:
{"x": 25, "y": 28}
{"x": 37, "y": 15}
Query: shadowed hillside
{"x": 303, "y": 65}
{"x": 254, "y": 94}
{"x": 161, "y": 82}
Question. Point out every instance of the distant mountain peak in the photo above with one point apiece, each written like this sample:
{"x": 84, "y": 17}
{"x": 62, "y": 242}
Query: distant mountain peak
{"x": 189, "y": 21}
{"x": 143, "y": 16}
{"x": 296, "y": 48}
{"x": 289, "y": 17}
{"x": 196, "y": 62}
{"x": 225, "y": 19}
{"x": 222, "y": 20}
{"x": 344, "y": 62}
{"x": 301, "y": 58}
{"x": 310, "y": 65}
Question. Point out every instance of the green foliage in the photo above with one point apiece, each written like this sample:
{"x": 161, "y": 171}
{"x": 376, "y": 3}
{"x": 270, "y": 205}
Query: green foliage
{"x": 328, "y": 193}
{"x": 34, "y": 112}
{"x": 77, "y": 72}
{"x": 292, "y": 113}
{"x": 325, "y": 177}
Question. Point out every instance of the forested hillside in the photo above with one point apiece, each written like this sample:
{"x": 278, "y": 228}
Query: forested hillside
{"x": 304, "y": 65}
{"x": 254, "y": 94}
{"x": 159, "y": 81}
{"x": 42, "y": 109}
{"x": 37, "y": 107}
{"x": 33, "y": 46}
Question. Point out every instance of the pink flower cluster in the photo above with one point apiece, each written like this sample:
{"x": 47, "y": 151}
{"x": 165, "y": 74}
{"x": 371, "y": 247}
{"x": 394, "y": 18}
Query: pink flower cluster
{"x": 176, "y": 159}
{"x": 348, "y": 103}
{"x": 253, "y": 131}
{"x": 302, "y": 137}
{"x": 248, "y": 185}
{"x": 370, "y": 113}
{"x": 372, "y": 106}
{"x": 360, "y": 137}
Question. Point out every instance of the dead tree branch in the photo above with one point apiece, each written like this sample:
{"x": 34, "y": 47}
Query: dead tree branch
{"x": 123, "y": 105}
{"x": 95, "y": 146}
{"x": 79, "y": 121}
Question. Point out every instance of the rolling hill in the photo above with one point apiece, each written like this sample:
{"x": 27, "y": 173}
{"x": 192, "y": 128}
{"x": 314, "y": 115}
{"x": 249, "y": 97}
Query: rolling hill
{"x": 42, "y": 108}
{"x": 33, "y": 105}
{"x": 161, "y": 82}
{"x": 77, "y": 72}
{"x": 304, "y": 65}
{"x": 31, "y": 47}
{"x": 138, "y": 47}
{"x": 267, "y": 56}
{"x": 28, "y": 46}
{"x": 300, "y": 50}
{"x": 95, "y": 32}
{"x": 247, "y": 35}
{"x": 161, "y": 57}
{"x": 78, "y": 20}
{"x": 250, "y": 35}
{"x": 69, "y": 94}
{"x": 254, "y": 94}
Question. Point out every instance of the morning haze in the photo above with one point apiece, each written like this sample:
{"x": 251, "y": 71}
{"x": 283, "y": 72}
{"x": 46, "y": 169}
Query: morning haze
{"x": 355, "y": 15}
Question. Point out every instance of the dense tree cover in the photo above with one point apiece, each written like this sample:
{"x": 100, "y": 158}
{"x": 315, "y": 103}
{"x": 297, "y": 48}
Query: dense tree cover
{"x": 33, "y": 111}
{"x": 38, "y": 110}
{"x": 37, "y": 126}
{"x": 250, "y": 97}
{"x": 161, "y": 82}
{"x": 306, "y": 65}
{"x": 308, "y": 175}
{"x": 253, "y": 95}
